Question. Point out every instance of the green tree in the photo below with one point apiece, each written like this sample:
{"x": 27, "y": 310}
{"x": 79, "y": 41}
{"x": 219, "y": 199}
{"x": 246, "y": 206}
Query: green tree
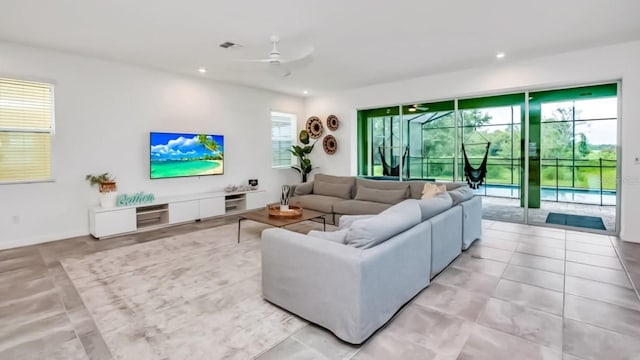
{"x": 583, "y": 146}
{"x": 210, "y": 145}
{"x": 557, "y": 134}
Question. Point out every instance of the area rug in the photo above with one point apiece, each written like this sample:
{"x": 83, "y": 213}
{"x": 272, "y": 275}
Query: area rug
{"x": 591, "y": 222}
{"x": 192, "y": 296}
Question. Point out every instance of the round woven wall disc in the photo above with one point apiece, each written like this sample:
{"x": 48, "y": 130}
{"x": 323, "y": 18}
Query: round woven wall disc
{"x": 314, "y": 127}
{"x": 330, "y": 144}
{"x": 332, "y": 122}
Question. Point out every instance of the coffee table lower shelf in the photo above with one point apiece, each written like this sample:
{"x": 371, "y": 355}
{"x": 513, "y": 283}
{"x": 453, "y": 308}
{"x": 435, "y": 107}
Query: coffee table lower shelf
{"x": 262, "y": 216}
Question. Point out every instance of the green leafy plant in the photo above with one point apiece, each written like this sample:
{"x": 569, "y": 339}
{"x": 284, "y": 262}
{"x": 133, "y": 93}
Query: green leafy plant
{"x": 105, "y": 182}
{"x": 210, "y": 145}
{"x": 301, "y": 152}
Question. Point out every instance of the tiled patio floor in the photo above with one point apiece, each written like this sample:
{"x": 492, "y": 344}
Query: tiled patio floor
{"x": 507, "y": 209}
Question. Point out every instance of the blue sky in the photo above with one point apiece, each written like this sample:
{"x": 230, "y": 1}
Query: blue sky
{"x": 170, "y": 146}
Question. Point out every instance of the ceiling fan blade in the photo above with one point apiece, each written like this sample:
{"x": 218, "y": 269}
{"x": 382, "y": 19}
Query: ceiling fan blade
{"x": 266, "y": 61}
{"x": 304, "y": 59}
{"x": 279, "y": 69}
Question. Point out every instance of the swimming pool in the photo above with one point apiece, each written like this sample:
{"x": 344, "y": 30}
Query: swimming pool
{"x": 582, "y": 196}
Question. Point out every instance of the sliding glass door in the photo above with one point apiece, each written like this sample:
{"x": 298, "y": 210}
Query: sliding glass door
{"x": 491, "y": 128}
{"x": 578, "y": 156}
{"x": 546, "y": 157}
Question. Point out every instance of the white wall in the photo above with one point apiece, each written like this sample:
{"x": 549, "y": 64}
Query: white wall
{"x": 104, "y": 113}
{"x": 574, "y": 68}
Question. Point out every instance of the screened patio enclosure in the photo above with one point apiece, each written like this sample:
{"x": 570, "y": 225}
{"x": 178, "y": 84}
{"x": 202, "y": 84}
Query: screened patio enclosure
{"x": 569, "y": 166}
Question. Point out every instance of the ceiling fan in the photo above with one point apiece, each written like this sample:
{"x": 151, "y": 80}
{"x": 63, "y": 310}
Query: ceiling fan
{"x": 281, "y": 65}
{"x": 415, "y": 107}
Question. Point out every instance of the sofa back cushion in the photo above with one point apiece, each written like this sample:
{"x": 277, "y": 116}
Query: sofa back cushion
{"x": 460, "y": 194}
{"x": 389, "y": 196}
{"x": 383, "y": 184}
{"x": 416, "y": 187}
{"x": 367, "y": 233}
{"x": 342, "y": 191}
{"x": 431, "y": 207}
{"x": 337, "y": 186}
{"x": 303, "y": 189}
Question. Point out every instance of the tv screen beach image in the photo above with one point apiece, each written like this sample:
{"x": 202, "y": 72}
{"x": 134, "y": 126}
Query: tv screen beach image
{"x": 176, "y": 155}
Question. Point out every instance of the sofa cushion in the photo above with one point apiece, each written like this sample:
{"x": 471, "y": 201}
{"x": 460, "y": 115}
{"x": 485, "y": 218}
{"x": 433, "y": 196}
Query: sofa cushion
{"x": 336, "y": 236}
{"x": 358, "y": 207}
{"x": 388, "y": 196}
{"x": 336, "y": 180}
{"x": 415, "y": 188}
{"x": 315, "y": 202}
{"x": 370, "y": 232}
{"x": 342, "y": 191}
{"x": 429, "y": 190}
{"x": 382, "y": 184}
{"x": 345, "y": 221}
{"x": 460, "y": 194}
{"x": 303, "y": 189}
{"x": 429, "y": 208}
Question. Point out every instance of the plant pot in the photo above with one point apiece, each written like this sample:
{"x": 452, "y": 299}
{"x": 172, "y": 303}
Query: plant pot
{"x": 108, "y": 199}
{"x": 107, "y": 187}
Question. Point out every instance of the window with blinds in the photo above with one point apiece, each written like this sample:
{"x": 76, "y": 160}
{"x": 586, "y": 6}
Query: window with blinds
{"x": 283, "y": 136}
{"x": 26, "y": 127}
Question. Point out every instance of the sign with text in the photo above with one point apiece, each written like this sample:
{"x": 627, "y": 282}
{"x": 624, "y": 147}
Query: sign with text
{"x": 134, "y": 199}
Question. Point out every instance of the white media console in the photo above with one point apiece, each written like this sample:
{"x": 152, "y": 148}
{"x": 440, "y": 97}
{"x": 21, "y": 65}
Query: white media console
{"x": 105, "y": 222}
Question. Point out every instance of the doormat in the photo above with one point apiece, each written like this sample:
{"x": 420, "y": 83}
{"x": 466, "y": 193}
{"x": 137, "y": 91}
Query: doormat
{"x": 591, "y": 222}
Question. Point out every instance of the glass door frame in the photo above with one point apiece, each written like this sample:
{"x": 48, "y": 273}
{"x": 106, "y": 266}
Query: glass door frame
{"x": 364, "y": 137}
{"x": 573, "y": 93}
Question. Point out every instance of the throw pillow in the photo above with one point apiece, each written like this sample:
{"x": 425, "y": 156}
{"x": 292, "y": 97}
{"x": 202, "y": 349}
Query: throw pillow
{"x": 303, "y": 189}
{"x": 332, "y": 189}
{"x": 367, "y": 233}
{"x": 384, "y": 196}
{"x": 430, "y": 189}
{"x": 338, "y": 236}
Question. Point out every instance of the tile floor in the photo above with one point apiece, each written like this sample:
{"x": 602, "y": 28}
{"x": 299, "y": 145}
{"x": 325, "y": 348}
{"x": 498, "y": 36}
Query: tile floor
{"x": 508, "y": 209}
{"x": 522, "y": 292}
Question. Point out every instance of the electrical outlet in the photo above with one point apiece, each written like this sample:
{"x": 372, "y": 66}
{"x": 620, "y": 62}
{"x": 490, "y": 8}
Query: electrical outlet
{"x": 636, "y": 161}
{"x": 15, "y": 219}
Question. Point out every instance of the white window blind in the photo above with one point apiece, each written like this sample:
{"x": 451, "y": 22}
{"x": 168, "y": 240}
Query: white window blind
{"x": 26, "y": 127}
{"x": 283, "y": 136}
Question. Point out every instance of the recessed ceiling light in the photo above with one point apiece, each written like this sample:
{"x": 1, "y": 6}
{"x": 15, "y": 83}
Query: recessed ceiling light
{"x": 202, "y": 70}
{"x": 500, "y": 55}
{"x": 305, "y": 92}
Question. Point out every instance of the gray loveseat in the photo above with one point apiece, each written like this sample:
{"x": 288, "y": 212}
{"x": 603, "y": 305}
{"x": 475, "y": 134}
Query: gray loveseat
{"x": 352, "y": 281}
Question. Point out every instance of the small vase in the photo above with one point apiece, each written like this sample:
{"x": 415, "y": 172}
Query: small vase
{"x": 284, "y": 207}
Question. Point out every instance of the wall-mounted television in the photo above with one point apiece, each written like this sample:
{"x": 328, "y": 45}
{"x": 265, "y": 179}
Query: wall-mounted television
{"x": 177, "y": 155}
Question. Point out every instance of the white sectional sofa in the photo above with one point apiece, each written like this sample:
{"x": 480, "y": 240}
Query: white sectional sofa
{"x": 352, "y": 281}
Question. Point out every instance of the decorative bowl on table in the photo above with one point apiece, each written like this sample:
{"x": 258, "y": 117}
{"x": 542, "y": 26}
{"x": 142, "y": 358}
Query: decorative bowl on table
{"x": 230, "y": 188}
{"x": 275, "y": 211}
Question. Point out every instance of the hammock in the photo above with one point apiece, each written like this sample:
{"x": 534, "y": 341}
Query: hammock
{"x": 390, "y": 169}
{"x": 475, "y": 176}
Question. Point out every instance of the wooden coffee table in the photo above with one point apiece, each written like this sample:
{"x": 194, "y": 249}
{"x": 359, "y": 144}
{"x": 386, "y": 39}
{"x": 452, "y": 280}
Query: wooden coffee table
{"x": 262, "y": 216}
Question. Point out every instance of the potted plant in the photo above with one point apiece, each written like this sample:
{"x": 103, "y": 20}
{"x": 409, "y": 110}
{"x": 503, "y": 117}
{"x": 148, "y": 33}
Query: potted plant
{"x": 301, "y": 152}
{"x": 107, "y": 186}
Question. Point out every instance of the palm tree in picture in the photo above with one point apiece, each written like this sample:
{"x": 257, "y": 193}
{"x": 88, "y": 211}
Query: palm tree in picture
{"x": 210, "y": 144}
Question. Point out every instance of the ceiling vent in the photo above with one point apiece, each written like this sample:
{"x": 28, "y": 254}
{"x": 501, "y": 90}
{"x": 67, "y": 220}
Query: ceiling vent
{"x": 228, "y": 44}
